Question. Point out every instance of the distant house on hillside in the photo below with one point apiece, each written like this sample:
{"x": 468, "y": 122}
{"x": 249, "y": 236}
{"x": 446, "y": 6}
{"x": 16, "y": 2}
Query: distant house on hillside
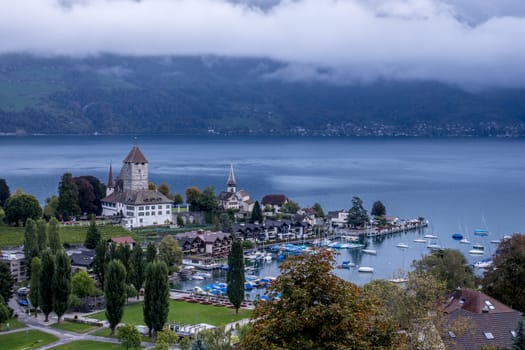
{"x": 492, "y": 324}
{"x": 213, "y": 244}
{"x": 275, "y": 201}
{"x": 233, "y": 199}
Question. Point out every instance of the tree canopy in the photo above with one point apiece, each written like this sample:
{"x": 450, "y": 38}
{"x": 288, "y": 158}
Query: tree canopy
{"x": 67, "y": 197}
{"x": 319, "y": 212}
{"x": 129, "y": 336}
{"x": 19, "y": 207}
{"x": 61, "y": 283}
{"x": 115, "y": 293}
{"x": 6, "y": 282}
{"x": 170, "y": 252}
{"x": 46, "y": 283}
{"x": 235, "y": 276}
{"x": 357, "y": 215}
{"x": 4, "y": 192}
{"x": 92, "y": 234}
{"x": 54, "y": 235}
{"x": 34, "y": 287}
{"x": 257, "y": 215}
{"x": 378, "y": 209}
{"x": 156, "y": 296}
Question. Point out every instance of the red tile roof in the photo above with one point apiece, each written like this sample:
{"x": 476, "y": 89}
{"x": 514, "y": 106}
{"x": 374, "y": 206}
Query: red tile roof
{"x": 123, "y": 240}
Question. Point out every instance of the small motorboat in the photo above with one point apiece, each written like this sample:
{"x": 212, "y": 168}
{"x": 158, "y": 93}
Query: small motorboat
{"x": 366, "y": 269}
{"x": 402, "y": 245}
{"x": 420, "y": 240}
{"x": 457, "y": 236}
{"x": 430, "y": 236}
{"x": 476, "y": 252}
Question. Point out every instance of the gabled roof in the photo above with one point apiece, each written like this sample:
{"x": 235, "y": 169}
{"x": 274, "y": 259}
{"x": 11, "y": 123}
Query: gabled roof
{"x": 206, "y": 236}
{"x": 475, "y": 302}
{"x": 135, "y": 156}
{"x": 274, "y": 199}
{"x": 141, "y": 197}
{"x": 123, "y": 240}
{"x": 84, "y": 259}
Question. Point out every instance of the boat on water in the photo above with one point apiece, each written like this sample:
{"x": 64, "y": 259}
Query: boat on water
{"x": 398, "y": 280}
{"x": 483, "y": 264}
{"x": 369, "y": 251}
{"x": 495, "y": 241}
{"x": 430, "y": 236}
{"x": 481, "y": 232}
{"x": 366, "y": 269}
{"x": 347, "y": 264}
{"x": 457, "y": 236}
{"x": 402, "y": 245}
{"x": 420, "y": 240}
{"x": 434, "y": 246}
{"x": 476, "y": 252}
{"x": 464, "y": 241}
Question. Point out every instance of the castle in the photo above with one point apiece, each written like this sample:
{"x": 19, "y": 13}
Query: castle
{"x": 129, "y": 197}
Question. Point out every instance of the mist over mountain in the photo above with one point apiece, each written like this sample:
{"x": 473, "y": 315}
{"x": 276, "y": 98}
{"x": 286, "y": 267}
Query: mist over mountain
{"x": 113, "y": 94}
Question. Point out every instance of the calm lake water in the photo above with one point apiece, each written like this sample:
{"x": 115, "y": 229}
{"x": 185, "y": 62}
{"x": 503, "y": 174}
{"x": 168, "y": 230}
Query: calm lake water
{"x": 458, "y": 184}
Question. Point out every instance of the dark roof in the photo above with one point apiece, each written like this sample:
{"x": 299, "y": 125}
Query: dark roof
{"x": 206, "y": 236}
{"x": 140, "y": 197}
{"x": 83, "y": 259}
{"x": 274, "y": 199}
{"x": 231, "y": 177}
{"x": 135, "y": 156}
{"x": 484, "y": 315}
{"x": 225, "y": 196}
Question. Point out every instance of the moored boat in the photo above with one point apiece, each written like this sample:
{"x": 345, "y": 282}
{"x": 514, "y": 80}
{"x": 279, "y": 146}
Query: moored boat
{"x": 402, "y": 245}
{"x": 457, "y": 236}
{"x": 420, "y": 240}
{"x": 369, "y": 251}
{"x": 366, "y": 269}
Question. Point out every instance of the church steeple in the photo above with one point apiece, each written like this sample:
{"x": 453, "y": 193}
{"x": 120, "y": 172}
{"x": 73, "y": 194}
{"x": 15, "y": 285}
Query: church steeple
{"x": 110, "y": 188}
{"x": 231, "y": 181}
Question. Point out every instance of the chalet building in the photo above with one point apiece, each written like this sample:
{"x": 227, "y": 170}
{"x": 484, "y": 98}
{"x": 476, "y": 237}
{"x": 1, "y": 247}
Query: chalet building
{"x": 273, "y": 229}
{"x": 491, "y": 324}
{"x": 130, "y": 199}
{"x": 206, "y": 243}
{"x": 233, "y": 199}
{"x": 126, "y": 240}
{"x": 275, "y": 201}
{"x": 16, "y": 262}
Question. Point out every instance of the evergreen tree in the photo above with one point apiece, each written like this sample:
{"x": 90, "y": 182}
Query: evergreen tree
{"x": 34, "y": 288}
{"x": 519, "y": 340}
{"x": 123, "y": 253}
{"x": 137, "y": 268}
{"x": 156, "y": 296}
{"x": 257, "y": 215}
{"x": 115, "y": 293}
{"x": 61, "y": 283}
{"x": 54, "y": 235}
{"x": 357, "y": 216}
{"x": 67, "y": 197}
{"x": 46, "y": 283}
{"x": 378, "y": 209}
{"x": 6, "y": 282}
{"x": 99, "y": 261}
{"x": 30, "y": 244}
{"x": 319, "y": 212}
{"x": 41, "y": 228}
{"x": 235, "y": 277}
{"x": 151, "y": 252}
{"x": 92, "y": 234}
{"x": 4, "y": 192}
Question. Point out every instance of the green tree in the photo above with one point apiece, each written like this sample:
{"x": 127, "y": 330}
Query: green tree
{"x": 185, "y": 343}
{"x": 357, "y": 216}
{"x": 99, "y": 261}
{"x": 290, "y": 207}
{"x": 165, "y": 190}
{"x": 208, "y": 203}
{"x": 198, "y": 344}
{"x": 317, "y": 310}
{"x": 54, "y": 235}
{"x": 20, "y": 207}
{"x": 4, "y": 192}
{"x": 177, "y": 199}
{"x": 137, "y": 268}
{"x": 318, "y": 210}
{"x": 156, "y": 296}
{"x": 115, "y": 293}
{"x": 170, "y": 252}
{"x": 123, "y": 253}
{"x": 6, "y": 282}
{"x": 506, "y": 281}
{"x": 30, "y": 244}
{"x": 34, "y": 287}
{"x": 50, "y": 209}
{"x": 151, "y": 252}
{"x": 2, "y": 216}
{"x": 46, "y": 283}
{"x": 235, "y": 276}
{"x": 41, "y": 229}
{"x": 4, "y": 312}
{"x": 378, "y": 209}
{"x": 180, "y": 221}
{"x": 257, "y": 215}
{"x": 82, "y": 285}
{"x": 129, "y": 336}
{"x": 519, "y": 340}
{"x": 67, "y": 197}
{"x": 217, "y": 338}
{"x": 92, "y": 234}
{"x": 449, "y": 266}
{"x": 165, "y": 338}
{"x": 192, "y": 197}
{"x": 61, "y": 283}
{"x": 226, "y": 224}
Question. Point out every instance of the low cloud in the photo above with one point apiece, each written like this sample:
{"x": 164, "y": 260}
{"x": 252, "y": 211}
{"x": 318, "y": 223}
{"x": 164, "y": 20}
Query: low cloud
{"x": 465, "y": 42}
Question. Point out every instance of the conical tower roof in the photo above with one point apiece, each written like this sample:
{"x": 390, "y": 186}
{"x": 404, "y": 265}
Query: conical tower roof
{"x": 135, "y": 156}
{"x": 110, "y": 177}
{"x": 231, "y": 177}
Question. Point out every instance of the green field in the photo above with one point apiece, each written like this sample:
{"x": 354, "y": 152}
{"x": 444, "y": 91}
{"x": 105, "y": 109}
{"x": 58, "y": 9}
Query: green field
{"x": 74, "y": 327}
{"x": 88, "y": 345}
{"x": 14, "y": 236}
{"x": 29, "y": 339}
{"x": 13, "y": 324}
{"x": 184, "y": 313}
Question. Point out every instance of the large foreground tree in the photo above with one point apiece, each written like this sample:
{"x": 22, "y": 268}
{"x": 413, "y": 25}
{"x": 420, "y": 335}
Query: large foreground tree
{"x": 6, "y": 282}
{"x": 317, "y": 310}
{"x": 20, "y": 207}
{"x": 61, "y": 283}
{"x": 34, "y": 287}
{"x": 46, "y": 283}
{"x": 235, "y": 277}
{"x": 67, "y": 197}
{"x": 115, "y": 293}
{"x": 156, "y": 296}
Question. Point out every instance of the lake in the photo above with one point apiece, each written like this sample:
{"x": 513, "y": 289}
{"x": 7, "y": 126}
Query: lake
{"x": 458, "y": 184}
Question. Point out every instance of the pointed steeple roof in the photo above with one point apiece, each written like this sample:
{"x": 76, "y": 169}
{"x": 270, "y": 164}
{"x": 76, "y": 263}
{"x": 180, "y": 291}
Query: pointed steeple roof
{"x": 110, "y": 177}
{"x": 231, "y": 177}
{"x": 135, "y": 156}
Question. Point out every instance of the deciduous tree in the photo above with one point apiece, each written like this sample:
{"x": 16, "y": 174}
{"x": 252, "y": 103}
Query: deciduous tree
{"x": 225, "y": 223}
{"x": 257, "y": 215}
{"x": 67, "y": 197}
{"x": 6, "y": 282}
{"x": 54, "y": 235}
{"x": 115, "y": 293}
{"x": 177, "y": 199}
{"x": 61, "y": 283}
{"x": 170, "y": 252}
{"x": 357, "y": 216}
{"x": 20, "y": 207}
{"x": 50, "y": 209}
{"x": 318, "y": 210}
{"x": 137, "y": 268}
{"x": 46, "y": 283}
{"x": 290, "y": 207}
{"x": 165, "y": 190}
{"x": 156, "y": 296}
{"x": 30, "y": 244}
{"x": 34, "y": 287}
{"x": 235, "y": 276}
{"x": 129, "y": 336}
{"x": 82, "y": 285}
{"x": 192, "y": 197}
{"x": 378, "y": 209}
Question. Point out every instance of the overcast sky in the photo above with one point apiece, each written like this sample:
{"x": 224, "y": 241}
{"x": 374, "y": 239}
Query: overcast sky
{"x": 469, "y": 42}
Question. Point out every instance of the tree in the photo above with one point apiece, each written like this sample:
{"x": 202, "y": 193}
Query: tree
{"x": 115, "y": 293}
{"x": 4, "y": 312}
{"x": 378, "y": 209}
{"x": 156, "y": 296}
{"x": 50, "y": 209}
{"x": 99, "y": 261}
{"x": 54, "y": 235}
{"x": 192, "y": 197}
{"x": 82, "y": 285}
{"x": 34, "y": 287}
{"x": 151, "y": 186}
{"x": 198, "y": 344}
{"x": 137, "y": 268}
{"x": 217, "y": 338}
{"x": 86, "y": 196}
{"x": 506, "y": 281}
{"x": 180, "y": 221}
{"x": 151, "y": 252}
{"x": 318, "y": 210}
{"x": 291, "y": 207}
{"x": 519, "y": 340}
{"x": 67, "y": 197}
{"x": 185, "y": 343}
{"x": 235, "y": 276}
{"x": 317, "y": 310}
{"x": 357, "y": 216}
{"x": 165, "y": 338}
{"x": 177, "y": 199}
{"x": 92, "y": 234}
{"x": 225, "y": 223}
{"x": 2, "y": 216}
{"x": 129, "y": 336}
{"x": 61, "y": 283}
{"x": 41, "y": 229}
{"x": 208, "y": 203}
{"x": 6, "y": 282}
{"x": 46, "y": 283}
{"x": 30, "y": 244}
{"x": 257, "y": 215}
{"x": 170, "y": 252}
{"x": 165, "y": 190}
{"x": 4, "y": 192}
{"x": 123, "y": 253}
{"x": 20, "y": 207}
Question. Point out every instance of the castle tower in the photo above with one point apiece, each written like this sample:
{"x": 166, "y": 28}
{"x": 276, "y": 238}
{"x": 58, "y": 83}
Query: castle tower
{"x": 110, "y": 188}
{"x": 231, "y": 181}
{"x": 135, "y": 171}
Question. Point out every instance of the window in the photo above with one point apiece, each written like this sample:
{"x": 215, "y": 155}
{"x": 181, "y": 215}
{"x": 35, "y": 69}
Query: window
{"x": 488, "y": 335}
{"x": 160, "y": 213}
{"x": 141, "y": 208}
{"x": 147, "y": 213}
{"x": 167, "y": 212}
{"x": 147, "y": 207}
{"x": 141, "y": 214}
{"x": 152, "y": 207}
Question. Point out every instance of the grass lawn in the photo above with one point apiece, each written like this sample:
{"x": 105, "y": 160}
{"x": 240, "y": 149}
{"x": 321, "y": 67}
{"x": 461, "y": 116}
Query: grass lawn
{"x": 184, "y": 313}
{"x": 13, "y": 324}
{"x": 29, "y": 339}
{"x": 74, "y": 327}
{"x": 88, "y": 345}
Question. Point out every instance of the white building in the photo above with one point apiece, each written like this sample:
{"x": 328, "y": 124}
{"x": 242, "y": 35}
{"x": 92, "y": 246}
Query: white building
{"x": 17, "y": 264}
{"x": 233, "y": 199}
{"x": 130, "y": 199}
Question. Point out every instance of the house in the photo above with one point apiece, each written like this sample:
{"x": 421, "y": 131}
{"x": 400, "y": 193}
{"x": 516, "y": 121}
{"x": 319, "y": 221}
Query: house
{"x": 214, "y": 244}
{"x": 337, "y": 218}
{"x": 490, "y": 322}
{"x": 82, "y": 259}
{"x": 275, "y": 201}
{"x": 233, "y": 199}
{"x": 16, "y": 262}
{"x": 126, "y": 240}
{"x": 129, "y": 198}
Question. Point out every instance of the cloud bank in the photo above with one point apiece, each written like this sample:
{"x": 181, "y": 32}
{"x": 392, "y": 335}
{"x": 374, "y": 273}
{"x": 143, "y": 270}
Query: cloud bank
{"x": 466, "y": 42}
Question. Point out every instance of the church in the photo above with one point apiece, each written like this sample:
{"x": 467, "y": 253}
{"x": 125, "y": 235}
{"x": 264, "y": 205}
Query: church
{"x": 233, "y": 199}
{"x": 129, "y": 197}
